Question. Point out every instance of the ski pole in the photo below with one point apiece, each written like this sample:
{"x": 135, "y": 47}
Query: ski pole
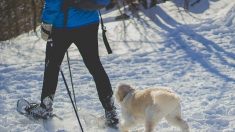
{"x": 71, "y": 79}
{"x": 69, "y": 93}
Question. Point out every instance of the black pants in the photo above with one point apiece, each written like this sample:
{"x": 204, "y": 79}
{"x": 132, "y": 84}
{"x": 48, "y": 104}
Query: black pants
{"x": 85, "y": 38}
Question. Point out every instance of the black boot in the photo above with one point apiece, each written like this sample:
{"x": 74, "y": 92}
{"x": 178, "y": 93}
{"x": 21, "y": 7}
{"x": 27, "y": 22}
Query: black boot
{"x": 111, "y": 118}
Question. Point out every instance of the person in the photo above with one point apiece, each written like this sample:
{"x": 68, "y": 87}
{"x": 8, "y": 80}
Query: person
{"x": 81, "y": 29}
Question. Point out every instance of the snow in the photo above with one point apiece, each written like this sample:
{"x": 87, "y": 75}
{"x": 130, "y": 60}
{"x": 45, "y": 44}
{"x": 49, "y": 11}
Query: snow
{"x": 192, "y": 53}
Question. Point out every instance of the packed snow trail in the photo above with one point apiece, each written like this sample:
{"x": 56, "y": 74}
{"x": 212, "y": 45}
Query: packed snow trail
{"x": 193, "y": 53}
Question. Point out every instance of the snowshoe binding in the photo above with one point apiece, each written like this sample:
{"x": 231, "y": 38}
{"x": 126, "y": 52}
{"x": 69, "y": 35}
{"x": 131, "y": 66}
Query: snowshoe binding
{"x": 33, "y": 110}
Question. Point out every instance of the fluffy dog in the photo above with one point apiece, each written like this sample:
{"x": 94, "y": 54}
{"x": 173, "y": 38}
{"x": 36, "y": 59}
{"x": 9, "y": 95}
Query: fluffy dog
{"x": 148, "y": 106}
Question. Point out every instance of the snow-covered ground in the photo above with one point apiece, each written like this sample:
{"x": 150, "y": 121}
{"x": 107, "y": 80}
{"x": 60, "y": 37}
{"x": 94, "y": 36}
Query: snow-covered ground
{"x": 193, "y": 53}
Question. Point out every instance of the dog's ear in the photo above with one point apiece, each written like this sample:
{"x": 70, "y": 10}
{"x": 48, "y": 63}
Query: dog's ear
{"x": 117, "y": 96}
{"x": 122, "y": 91}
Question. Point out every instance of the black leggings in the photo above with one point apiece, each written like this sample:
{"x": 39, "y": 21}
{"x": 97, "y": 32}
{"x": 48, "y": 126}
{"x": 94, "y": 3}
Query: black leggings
{"x": 85, "y": 38}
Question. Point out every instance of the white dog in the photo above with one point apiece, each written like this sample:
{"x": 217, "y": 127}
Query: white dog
{"x": 149, "y": 107}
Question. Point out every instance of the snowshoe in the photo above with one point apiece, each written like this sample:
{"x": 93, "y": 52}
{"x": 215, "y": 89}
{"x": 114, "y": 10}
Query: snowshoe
{"x": 33, "y": 110}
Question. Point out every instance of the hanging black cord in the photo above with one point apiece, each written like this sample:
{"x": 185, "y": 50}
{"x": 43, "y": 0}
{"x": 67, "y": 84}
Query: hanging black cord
{"x": 71, "y": 79}
{"x": 69, "y": 93}
{"x": 106, "y": 43}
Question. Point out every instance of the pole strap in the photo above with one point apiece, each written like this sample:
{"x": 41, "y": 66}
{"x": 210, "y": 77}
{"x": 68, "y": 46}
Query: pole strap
{"x": 106, "y": 43}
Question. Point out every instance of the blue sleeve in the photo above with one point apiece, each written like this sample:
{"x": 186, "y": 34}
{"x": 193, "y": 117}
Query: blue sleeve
{"x": 51, "y": 9}
{"x": 103, "y": 2}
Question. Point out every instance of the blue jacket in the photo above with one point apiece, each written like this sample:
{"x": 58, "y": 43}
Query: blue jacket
{"x": 53, "y": 14}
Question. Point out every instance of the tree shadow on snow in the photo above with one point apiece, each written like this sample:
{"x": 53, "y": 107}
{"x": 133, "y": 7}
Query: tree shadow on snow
{"x": 203, "y": 4}
{"x": 177, "y": 33}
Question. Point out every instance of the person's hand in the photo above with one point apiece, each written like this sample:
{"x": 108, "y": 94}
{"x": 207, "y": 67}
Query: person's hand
{"x": 45, "y": 30}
